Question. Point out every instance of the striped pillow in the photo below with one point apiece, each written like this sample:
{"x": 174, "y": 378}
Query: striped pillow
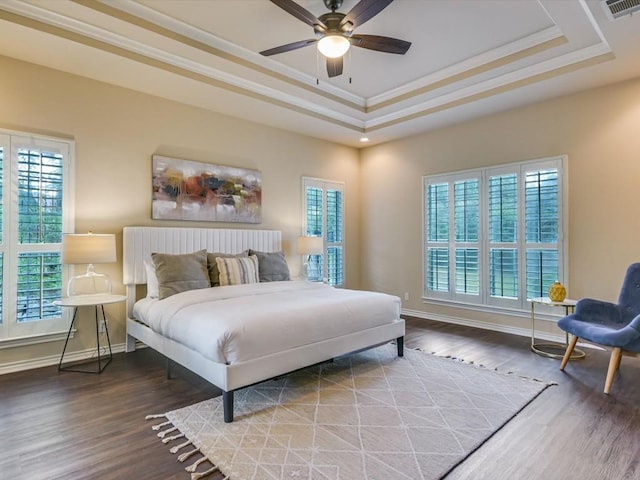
{"x": 239, "y": 270}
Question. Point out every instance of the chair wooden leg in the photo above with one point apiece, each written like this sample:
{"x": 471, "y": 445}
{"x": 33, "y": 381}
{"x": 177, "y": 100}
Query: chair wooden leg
{"x": 568, "y": 352}
{"x": 614, "y": 363}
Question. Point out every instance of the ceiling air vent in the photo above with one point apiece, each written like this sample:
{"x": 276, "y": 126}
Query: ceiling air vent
{"x": 620, "y": 8}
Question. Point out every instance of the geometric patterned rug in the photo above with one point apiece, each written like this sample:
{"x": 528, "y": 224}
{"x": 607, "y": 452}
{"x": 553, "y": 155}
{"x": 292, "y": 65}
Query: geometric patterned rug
{"x": 371, "y": 415}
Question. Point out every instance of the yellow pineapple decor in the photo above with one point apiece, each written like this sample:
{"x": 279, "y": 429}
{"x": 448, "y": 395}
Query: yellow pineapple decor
{"x": 557, "y": 292}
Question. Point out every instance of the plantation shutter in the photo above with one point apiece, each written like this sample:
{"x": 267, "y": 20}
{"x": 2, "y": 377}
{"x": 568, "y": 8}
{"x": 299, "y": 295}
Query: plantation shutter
{"x": 503, "y": 228}
{"x": 541, "y": 230}
{"x": 494, "y": 236}
{"x": 34, "y": 215}
{"x": 437, "y": 237}
{"x": 324, "y": 217}
{"x": 39, "y": 225}
{"x": 335, "y": 259}
{"x": 466, "y": 214}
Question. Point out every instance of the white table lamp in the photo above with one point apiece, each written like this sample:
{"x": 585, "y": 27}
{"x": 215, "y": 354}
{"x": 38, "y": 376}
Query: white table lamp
{"x": 88, "y": 249}
{"x": 309, "y": 246}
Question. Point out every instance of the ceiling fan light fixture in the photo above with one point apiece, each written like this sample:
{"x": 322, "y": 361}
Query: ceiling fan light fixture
{"x": 333, "y": 46}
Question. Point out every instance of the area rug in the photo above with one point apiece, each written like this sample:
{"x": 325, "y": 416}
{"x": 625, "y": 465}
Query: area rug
{"x": 371, "y": 415}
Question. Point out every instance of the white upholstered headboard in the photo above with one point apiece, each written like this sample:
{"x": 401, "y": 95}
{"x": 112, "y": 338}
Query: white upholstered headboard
{"x": 140, "y": 242}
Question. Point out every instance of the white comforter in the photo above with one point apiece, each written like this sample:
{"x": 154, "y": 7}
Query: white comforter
{"x": 243, "y": 322}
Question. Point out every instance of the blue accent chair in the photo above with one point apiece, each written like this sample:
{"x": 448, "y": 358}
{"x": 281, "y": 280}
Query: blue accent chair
{"x": 611, "y": 325}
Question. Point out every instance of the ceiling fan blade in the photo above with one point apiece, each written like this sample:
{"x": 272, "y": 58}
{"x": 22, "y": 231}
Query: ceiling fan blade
{"x": 288, "y": 47}
{"x": 363, "y": 11}
{"x": 334, "y": 66}
{"x": 299, "y": 12}
{"x": 380, "y": 44}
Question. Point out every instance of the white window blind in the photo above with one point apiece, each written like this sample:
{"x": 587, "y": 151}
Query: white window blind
{"x": 35, "y": 193}
{"x": 437, "y": 204}
{"x": 466, "y": 213}
{"x": 494, "y": 236}
{"x": 541, "y": 211}
{"x": 503, "y": 235}
{"x": 323, "y": 216}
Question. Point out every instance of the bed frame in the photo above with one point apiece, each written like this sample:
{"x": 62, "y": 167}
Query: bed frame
{"x": 140, "y": 242}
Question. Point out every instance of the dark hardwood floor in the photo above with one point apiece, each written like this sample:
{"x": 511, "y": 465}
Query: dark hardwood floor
{"x": 83, "y": 426}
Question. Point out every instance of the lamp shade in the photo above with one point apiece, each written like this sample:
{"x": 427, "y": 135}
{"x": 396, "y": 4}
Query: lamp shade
{"x": 333, "y": 46}
{"x": 310, "y": 246}
{"x": 88, "y": 248}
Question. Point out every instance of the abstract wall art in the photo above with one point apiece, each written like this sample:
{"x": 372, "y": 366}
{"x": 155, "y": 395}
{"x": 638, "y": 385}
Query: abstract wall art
{"x": 198, "y": 191}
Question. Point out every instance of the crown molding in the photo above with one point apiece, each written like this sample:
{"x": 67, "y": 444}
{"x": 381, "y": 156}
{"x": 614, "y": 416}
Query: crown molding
{"x": 552, "y": 67}
{"x": 503, "y": 55}
{"x": 149, "y": 19}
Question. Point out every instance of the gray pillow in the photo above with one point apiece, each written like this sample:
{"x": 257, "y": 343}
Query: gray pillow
{"x": 272, "y": 267}
{"x": 214, "y": 273}
{"x": 179, "y": 273}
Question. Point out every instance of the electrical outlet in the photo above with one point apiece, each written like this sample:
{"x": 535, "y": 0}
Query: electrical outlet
{"x": 103, "y": 326}
{"x": 406, "y": 295}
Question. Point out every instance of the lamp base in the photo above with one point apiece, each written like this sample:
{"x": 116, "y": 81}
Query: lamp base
{"x": 89, "y": 284}
{"x": 311, "y": 269}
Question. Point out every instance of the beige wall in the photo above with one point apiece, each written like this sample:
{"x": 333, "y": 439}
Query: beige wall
{"x": 599, "y": 130}
{"x": 117, "y": 130}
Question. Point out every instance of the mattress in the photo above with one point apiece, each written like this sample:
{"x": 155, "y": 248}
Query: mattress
{"x": 238, "y": 323}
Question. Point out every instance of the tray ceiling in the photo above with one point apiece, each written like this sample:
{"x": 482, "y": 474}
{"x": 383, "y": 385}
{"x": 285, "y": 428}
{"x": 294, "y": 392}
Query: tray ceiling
{"x": 467, "y": 59}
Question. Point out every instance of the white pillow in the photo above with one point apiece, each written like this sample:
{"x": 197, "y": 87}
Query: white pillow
{"x": 153, "y": 286}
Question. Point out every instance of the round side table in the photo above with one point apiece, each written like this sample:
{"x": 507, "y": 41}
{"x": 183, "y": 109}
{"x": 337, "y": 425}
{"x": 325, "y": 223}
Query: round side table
{"x": 97, "y": 301}
{"x": 553, "y": 350}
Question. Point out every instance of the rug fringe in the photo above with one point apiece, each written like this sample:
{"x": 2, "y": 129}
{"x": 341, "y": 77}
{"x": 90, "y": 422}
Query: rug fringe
{"x": 194, "y": 465}
{"x": 196, "y": 476}
{"x": 182, "y": 445}
{"x": 174, "y": 437}
{"x": 479, "y": 365}
{"x": 168, "y": 430}
{"x": 186, "y": 455}
{"x": 160, "y": 425}
{"x": 181, "y": 458}
{"x": 157, "y": 415}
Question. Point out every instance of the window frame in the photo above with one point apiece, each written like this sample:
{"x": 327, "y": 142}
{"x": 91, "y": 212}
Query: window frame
{"x": 325, "y": 185}
{"x": 12, "y": 332}
{"x": 484, "y": 301}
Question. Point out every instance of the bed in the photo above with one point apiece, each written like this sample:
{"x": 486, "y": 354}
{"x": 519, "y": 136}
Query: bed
{"x": 239, "y": 335}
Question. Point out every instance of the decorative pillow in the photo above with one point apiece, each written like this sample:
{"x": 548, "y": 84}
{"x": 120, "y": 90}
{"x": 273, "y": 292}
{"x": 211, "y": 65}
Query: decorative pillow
{"x": 238, "y": 270}
{"x": 179, "y": 273}
{"x": 153, "y": 288}
{"x": 272, "y": 266}
{"x": 214, "y": 273}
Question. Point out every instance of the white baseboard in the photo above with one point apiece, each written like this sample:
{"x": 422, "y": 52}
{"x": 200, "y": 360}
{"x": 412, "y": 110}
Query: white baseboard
{"x": 53, "y": 359}
{"x": 496, "y": 327}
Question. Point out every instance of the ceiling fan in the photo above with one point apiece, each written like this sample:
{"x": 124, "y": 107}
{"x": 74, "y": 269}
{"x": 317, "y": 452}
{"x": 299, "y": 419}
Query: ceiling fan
{"x": 334, "y": 31}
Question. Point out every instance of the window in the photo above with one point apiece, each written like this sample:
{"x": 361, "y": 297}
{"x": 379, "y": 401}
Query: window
{"x": 34, "y": 211}
{"x": 323, "y": 216}
{"x": 494, "y": 236}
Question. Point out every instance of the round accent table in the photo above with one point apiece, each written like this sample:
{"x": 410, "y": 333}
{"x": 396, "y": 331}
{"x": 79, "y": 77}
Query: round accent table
{"x": 97, "y": 301}
{"x": 553, "y": 350}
